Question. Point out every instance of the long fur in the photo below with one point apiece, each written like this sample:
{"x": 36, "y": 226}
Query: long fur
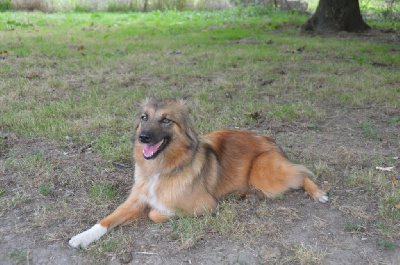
{"x": 188, "y": 173}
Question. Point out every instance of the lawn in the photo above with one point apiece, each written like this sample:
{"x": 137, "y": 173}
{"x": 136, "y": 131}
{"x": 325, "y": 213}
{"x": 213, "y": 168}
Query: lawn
{"x": 70, "y": 88}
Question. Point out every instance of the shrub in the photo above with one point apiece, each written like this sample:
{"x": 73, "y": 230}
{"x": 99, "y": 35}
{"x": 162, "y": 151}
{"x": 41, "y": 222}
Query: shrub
{"x": 5, "y": 5}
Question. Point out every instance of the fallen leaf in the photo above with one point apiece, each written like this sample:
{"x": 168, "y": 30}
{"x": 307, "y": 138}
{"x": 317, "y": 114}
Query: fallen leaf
{"x": 255, "y": 115}
{"x": 3, "y": 54}
{"x": 32, "y": 75}
{"x": 397, "y": 206}
{"x": 301, "y": 49}
{"x": 394, "y": 180}
{"x": 263, "y": 82}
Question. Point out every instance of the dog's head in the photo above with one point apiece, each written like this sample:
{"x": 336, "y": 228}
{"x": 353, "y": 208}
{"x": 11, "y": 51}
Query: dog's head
{"x": 163, "y": 125}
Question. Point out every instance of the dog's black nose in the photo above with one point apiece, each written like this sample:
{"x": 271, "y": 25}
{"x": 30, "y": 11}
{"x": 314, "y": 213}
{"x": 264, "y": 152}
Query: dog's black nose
{"x": 144, "y": 138}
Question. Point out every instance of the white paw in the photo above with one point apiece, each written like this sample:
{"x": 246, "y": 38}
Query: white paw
{"x": 85, "y": 238}
{"x": 323, "y": 199}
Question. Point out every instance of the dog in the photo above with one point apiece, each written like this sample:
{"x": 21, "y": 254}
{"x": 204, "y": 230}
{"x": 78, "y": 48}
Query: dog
{"x": 177, "y": 171}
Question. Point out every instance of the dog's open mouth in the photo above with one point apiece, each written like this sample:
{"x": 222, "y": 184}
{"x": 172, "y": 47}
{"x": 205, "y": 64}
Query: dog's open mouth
{"x": 151, "y": 151}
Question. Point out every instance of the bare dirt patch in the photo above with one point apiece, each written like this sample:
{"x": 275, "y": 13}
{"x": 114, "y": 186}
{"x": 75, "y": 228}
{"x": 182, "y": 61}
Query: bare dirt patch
{"x": 291, "y": 230}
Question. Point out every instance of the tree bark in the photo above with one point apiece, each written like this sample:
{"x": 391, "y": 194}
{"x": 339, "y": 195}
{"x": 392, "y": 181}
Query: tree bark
{"x": 336, "y": 15}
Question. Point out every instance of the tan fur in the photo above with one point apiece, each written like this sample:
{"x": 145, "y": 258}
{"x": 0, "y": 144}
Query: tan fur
{"x": 192, "y": 172}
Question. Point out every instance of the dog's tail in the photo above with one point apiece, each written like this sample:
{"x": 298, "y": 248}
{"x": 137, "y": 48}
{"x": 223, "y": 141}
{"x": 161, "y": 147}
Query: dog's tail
{"x": 273, "y": 174}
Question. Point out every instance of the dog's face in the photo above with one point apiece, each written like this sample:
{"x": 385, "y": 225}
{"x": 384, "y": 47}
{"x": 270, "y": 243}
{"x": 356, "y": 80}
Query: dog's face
{"x": 162, "y": 124}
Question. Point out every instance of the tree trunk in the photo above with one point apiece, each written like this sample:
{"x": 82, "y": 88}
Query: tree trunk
{"x": 336, "y": 15}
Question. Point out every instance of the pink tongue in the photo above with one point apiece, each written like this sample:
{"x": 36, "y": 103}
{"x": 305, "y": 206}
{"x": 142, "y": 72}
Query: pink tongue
{"x": 149, "y": 150}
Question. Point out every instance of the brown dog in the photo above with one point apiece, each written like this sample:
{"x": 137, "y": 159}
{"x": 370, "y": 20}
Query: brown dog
{"x": 177, "y": 171}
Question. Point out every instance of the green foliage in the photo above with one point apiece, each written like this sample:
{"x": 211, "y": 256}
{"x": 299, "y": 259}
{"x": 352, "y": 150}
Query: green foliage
{"x": 351, "y": 227}
{"x": 5, "y": 5}
{"x": 44, "y": 189}
{"x": 361, "y": 59}
{"x": 100, "y": 192}
{"x": 387, "y": 244}
{"x": 20, "y": 256}
{"x": 369, "y": 130}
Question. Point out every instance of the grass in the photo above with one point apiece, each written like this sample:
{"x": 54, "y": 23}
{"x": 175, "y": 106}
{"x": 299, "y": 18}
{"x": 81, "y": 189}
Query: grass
{"x": 302, "y": 254}
{"x": 79, "y": 102}
{"x": 188, "y": 230}
{"x": 20, "y": 257}
{"x": 44, "y": 189}
{"x": 101, "y": 192}
{"x": 369, "y": 130}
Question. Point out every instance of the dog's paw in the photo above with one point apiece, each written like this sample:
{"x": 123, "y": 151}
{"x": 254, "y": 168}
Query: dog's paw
{"x": 323, "y": 198}
{"x": 85, "y": 238}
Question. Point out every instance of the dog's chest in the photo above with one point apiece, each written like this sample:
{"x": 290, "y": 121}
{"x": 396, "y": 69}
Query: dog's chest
{"x": 152, "y": 197}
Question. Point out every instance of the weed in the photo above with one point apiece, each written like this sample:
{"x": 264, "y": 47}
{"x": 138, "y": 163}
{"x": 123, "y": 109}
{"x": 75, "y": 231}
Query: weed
{"x": 20, "y": 256}
{"x": 387, "y": 244}
{"x": 393, "y": 120}
{"x": 309, "y": 255}
{"x": 383, "y": 228}
{"x": 361, "y": 59}
{"x": 44, "y": 189}
{"x": 369, "y": 130}
{"x": 351, "y": 227}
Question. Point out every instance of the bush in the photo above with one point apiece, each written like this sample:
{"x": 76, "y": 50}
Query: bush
{"x": 29, "y": 5}
{"x": 5, "y": 5}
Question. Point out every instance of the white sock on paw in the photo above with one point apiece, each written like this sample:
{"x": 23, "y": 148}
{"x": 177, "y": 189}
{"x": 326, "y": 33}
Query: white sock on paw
{"x": 85, "y": 238}
{"x": 323, "y": 199}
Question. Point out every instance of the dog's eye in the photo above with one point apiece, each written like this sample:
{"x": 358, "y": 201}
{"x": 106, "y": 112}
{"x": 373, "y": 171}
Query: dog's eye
{"x": 144, "y": 117}
{"x": 165, "y": 121}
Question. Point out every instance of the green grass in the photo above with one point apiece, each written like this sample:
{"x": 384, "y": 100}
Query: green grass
{"x": 20, "y": 256}
{"x": 387, "y": 194}
{"x": 369, "y": 130}
{"x": 387, "y": 245}
{"x": 44, "y": 189}
{"x": 351, "y": 227}
{"x": 102, "y": 191}
{"x": 58, "y": 87}
{"x": 188, "y": 230}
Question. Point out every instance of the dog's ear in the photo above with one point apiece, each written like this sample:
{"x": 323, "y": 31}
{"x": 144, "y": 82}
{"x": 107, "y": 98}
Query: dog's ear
{"x": 145, "y": 102}
{"x": 184, "y": 102}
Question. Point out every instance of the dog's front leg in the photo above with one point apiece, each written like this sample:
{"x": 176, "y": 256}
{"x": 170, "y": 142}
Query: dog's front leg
{"x": 132, "y": 208}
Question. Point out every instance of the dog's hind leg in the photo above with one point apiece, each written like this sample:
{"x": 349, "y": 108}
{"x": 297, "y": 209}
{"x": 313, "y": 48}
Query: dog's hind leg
{"x": 273, "y": 174}
{"x": 132, "y": 208}
{"x": 159, "y": 217}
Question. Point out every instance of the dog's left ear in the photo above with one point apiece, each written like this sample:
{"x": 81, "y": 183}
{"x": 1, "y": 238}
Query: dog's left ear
{"x": 183, "y": 101}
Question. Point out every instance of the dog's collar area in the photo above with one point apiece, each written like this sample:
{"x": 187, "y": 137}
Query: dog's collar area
{"x": 151, "y": 151}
